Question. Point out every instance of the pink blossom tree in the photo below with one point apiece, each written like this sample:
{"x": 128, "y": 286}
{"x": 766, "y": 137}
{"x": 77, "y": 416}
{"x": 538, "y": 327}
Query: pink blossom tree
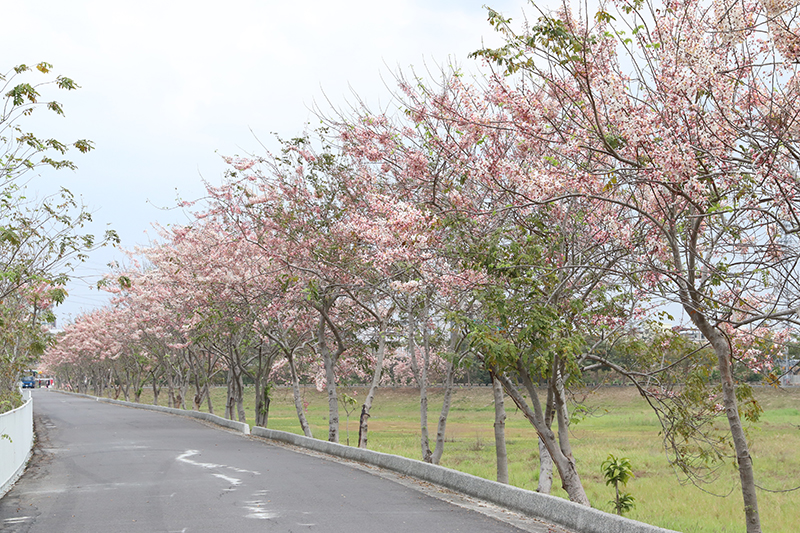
{"x": 686, "y": 124}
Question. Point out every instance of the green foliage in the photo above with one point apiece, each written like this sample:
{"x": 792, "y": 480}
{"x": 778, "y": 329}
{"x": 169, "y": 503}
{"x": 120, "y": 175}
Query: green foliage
{"x": 749, "y": 408}
{"x": 266, "y": 391}
{"x": 40, "y": 241}
{"x": 349, "y": 404}
{"x": 9, "y": 400}
{"x": 618, "y": 471}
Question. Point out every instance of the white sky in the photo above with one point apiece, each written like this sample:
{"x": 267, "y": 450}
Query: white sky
{"x": 169, "y": 85}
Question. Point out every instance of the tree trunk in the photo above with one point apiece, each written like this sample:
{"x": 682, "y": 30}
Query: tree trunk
{"x": 298, "y": 400}
{"x": 170, "y": 390}
{"x": 545, "y": 469}
{"x": 722, "y": 350}
{"x": 363, "y": 424}
{"x": 421, "y": 377}
{"x": 156, "y": 389}
{"x": 500, "y": 431}
{"x": 199, "y": 390}
{"x": 262, "y": 404}
{"x": 446, "y": 402}
{"x": 240, "y": 398}
{"x": 234, "y": 404}
{"x": 566, "y": 467}
{"x": 562, "y": 415}
{"x": 208, "y": 399}
{"x": 184, "y": 391}
{"x": 137, "y": 382}
{"x": 545, "y": 461}
{"x": 330, "y": 385}
{"x": 228, "y": 395}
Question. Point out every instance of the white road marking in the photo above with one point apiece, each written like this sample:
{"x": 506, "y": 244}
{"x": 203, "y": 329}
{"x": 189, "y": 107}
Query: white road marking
{"x": 258, "y": 512}
{"x": 232, "y": 480}
{"x": 184, "y": 458}
{"x": 16, "y": 520}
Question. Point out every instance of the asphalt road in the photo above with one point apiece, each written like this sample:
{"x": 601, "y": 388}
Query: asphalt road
{"x": 101, "y": 467}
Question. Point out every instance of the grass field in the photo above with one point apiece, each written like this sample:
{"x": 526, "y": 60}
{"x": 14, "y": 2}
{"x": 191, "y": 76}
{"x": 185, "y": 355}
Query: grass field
{"x": 620, "y": 423}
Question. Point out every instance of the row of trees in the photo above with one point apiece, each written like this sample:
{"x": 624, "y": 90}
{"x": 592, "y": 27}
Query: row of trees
{"x": 40, "y": 237}
{"x": 541, "y": 222}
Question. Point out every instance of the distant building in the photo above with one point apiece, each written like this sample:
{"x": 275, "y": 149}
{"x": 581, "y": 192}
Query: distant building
{"x": 690, "y": 334}
{"x": 790, "y": 372}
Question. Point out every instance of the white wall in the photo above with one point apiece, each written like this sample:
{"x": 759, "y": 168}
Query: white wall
{"x": 14, "y": 454}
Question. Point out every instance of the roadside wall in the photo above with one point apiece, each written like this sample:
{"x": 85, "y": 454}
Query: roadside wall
{"x": 14, "y": 453}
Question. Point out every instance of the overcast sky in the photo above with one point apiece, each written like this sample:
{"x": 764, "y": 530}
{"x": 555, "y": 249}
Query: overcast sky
{"x": 168, "y": 86}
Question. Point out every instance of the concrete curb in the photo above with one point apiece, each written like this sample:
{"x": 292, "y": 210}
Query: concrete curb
{"x": 544, "y": 507}
{"x": 241, "y": 427}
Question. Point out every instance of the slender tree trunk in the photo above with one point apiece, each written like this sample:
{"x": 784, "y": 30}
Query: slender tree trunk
{"x": 298, "y": 400}
{"x": 258, "y": 399}
{"x": 330, "y": 378}
{"x": 421, "y": 377}
{"x": 138, "y": 383}
{"x": 229, "y": 401}
{"x": 562, "y": 415}
{"x": 545, "y": 461}
{"x": 240, "y": 397}
{"x": 170, "y": 389}
{"x": 199, "y": 390}
{"x": 500, "y": 431}
{"x": 744, "y": 461}
{"x": 363, "y": 425}
{"x": 262, "y": 403}
{"x": 442, "y": 425}
{"x": 98, "y": 385}
{"x": 566, "y": 467}
{"x": 265, "y": 410}
{"x": 266, "y": 358}
{"x": 208, "y": 399}
{"x": 156, "y": 389}
{"x": 184, "y": 391}
{"x": 126, "y": 387}
{"x": 207, "y": 379}
{"x": 545, "y": 469}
